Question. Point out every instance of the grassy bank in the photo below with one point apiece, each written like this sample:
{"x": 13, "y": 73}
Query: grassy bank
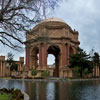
{"x": 4, "y": 96}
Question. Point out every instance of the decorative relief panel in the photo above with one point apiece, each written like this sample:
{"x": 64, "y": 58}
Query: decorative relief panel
{"x": 55, "y": 32}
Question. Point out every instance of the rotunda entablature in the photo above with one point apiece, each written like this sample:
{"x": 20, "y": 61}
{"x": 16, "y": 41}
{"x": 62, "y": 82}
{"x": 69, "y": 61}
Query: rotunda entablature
{"x": 53, "y": 28}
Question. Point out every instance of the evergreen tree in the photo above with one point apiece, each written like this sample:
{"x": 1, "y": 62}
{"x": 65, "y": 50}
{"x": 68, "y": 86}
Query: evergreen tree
{"x": 11, "y": 62}
{"x": 10, "y": 58}
{"x": 80, "y": 62}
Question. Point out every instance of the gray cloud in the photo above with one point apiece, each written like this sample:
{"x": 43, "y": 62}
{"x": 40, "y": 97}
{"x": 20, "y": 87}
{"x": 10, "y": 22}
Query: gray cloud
{"x": 82, "y": 15}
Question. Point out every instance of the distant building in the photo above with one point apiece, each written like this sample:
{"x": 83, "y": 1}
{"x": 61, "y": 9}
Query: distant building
{"x": 5, "y": 68}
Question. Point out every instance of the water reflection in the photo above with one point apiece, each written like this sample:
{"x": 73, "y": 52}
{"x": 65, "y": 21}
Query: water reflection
{"x": 12, "y": 84}
{"x": 85, "y": 90}
{"x": 50, "y": 91}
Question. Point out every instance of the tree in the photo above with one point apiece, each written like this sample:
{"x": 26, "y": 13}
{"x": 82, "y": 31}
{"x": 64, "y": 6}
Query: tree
{"x": 14, "y": 66}
{"x": 80, "y": 62}
{"x": 11, "y": 62}
{"x": 16, "y": 17}
{"x": 10, "y": 58}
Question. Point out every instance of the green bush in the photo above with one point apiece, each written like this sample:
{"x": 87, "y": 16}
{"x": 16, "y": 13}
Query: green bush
{"x": 34, "y": 72}
{"x": 76, "y": 71}
{"x": 45, "y": 73}
{"x": 85, "y": 71}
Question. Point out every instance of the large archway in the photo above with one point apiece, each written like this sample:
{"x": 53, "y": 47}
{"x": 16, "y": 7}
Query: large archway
{"x": 34, "y": 58}
{"x": 55, "y": 50}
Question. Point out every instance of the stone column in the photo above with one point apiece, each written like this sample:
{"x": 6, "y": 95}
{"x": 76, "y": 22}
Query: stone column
{"x": 1, "y": 68}
{"x": 45, "y": 55}
{"x": 27, "y": 57}
{"x": 96, "y": 71}
{"x": 68, "y": 51}
{"x": 20, "y": 66}
{"x": 3, "y": 64}
{"x": 63, "y": 54}
{"x": 40, "y": 55}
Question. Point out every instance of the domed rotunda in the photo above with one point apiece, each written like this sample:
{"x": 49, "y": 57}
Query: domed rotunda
{"x": 51, "y": 36}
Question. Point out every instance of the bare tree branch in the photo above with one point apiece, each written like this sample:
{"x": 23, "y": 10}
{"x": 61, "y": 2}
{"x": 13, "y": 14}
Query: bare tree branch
{"x": 18, "y": 16}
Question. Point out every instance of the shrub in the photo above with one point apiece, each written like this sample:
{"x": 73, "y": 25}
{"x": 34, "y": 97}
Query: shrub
{"x": 86, "y": 71}
{"x": 14, "y": 94}
{"x": 34, "y": 72}
{"x": 76, "y": 71}
{"x": 45, "y": 73}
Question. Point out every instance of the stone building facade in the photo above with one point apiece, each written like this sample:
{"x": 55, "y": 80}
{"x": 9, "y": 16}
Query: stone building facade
{"x": 5, "y": 69}
{"x": 51, "y": 36}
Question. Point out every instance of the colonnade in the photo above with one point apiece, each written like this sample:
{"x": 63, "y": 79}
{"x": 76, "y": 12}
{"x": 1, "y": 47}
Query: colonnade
{"x": 43, "y": 52}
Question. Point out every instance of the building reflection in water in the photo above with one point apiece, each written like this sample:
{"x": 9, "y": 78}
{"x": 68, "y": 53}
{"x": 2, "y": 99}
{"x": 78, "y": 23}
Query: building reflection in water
{"x": 80, "y": 90}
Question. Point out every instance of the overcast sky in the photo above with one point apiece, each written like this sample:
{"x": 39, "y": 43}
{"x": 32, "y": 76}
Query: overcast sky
{"x": 82, "y": 15}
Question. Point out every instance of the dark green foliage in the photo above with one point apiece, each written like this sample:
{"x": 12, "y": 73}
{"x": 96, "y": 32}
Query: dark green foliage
{"x": 86, "y": 71}
{"x": 15, "y": 94}
{"x": 11, "y": 62}
{"x": 14, "y": 67}
{"x": 45, "y": 74}
{"x": 76, "y": 71}
{"x": 4, "y": 90}
{"x": 81, "y": 63}
{"x": 10, "y": 58}
{"x": 34, "y": 72}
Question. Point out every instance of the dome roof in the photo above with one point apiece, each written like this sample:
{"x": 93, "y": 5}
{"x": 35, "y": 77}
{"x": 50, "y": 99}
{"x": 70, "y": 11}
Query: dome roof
{"x": 52, "y": 20}
{"x": 47, "y": 22}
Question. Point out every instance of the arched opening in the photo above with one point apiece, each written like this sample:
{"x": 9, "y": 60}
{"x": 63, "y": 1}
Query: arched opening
{"x": 55, "y": 51}
{"x": 51, "y": 61}
{"x": 34, "y": 58}
{"x": 71, "y": 51}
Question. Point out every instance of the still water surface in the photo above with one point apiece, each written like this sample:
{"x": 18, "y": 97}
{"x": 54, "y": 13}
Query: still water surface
{"x": 75, "y": 90}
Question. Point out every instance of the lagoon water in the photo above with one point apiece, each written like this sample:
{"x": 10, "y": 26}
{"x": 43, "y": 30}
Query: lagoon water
{"x": 69, "y": 90}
